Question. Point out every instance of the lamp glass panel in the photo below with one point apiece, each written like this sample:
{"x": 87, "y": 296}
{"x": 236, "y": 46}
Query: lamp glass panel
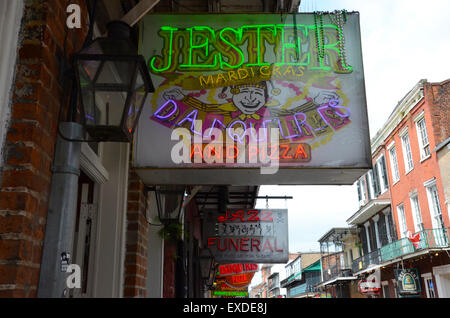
{"x": 116, "y": 72}
{"x": 136, "y": 102}
{"x": 109, "y": 107}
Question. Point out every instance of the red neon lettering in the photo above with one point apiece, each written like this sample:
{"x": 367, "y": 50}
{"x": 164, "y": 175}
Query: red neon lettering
{"x": 276, "y": 248}
{"x": 196, "y": 150}
{"x": 253, "y": 216}
{"x": 284, "y": 153}
{"x": 267, "y": 245}
{"x": 244, "y": 244}
{"x": 252, "y": 153}
{"x": 229, "y": 155}
{"x": 234, "y": 243}
{"x": 211, "y": 241}
{"x": 300, "y": 151}
{"x": 272, "y": 153}
{"x": 255, "y": 244}
{"x": 238, "y": 215}
{"x": 221, "y": 248}
{"x": 266, "y": 216}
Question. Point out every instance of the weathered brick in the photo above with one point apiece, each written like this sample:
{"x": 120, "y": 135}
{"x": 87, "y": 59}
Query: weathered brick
{"x": 15, "y": 249}
{"x": 17, "y": 201}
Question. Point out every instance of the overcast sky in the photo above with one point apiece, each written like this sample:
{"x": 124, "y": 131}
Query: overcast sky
{"x": 403, "y": 41}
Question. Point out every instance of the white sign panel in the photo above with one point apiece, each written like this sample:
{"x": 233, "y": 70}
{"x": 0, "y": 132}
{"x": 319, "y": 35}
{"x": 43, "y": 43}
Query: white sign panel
{"x": 253, "y": 99}
{"x": 240, "y": 236}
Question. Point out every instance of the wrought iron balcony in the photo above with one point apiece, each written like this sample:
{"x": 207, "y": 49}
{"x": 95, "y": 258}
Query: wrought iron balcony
{"x": 429, "y": 239}
{"x": 365, "y": 261}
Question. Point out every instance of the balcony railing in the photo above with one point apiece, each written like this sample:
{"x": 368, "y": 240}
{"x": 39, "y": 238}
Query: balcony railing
{"x": 372, "y": 258}
{"x": 430, "y": 238}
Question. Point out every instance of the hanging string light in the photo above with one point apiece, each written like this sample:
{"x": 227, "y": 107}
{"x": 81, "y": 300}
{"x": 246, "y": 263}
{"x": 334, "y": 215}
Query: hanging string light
{"x": 319, "y": 35}
{"x": 339, "y": 18}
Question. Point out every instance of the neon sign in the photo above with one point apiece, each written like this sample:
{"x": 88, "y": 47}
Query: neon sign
{"x": 243, "y": 74}
{"x": 239, "y": 236}
{"x": 231, "y": 269}
{"x": 226, "y": 48}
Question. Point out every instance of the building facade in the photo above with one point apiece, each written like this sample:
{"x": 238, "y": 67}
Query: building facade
{"x": 403, "y": 216}
{"x": 295, "y": 280}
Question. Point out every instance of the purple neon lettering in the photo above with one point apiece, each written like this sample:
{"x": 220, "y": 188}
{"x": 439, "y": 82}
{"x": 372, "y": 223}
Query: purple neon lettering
{"x": 212, "y": 127}
{"x": 281, "y": 130}
{"x": 239, "y": 137}
{"x": 192, "y": 120}
{"x": 163, "y": 106}
{"x": 333, "y": 103}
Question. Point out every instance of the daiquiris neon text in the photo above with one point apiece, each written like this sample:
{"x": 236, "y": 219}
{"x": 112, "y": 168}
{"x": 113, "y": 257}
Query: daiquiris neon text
{"x": 294, "y": 127}
{"x": 202, "y": 48}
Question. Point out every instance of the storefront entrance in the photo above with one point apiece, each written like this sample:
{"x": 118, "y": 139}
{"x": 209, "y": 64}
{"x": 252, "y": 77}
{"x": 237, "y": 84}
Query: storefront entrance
{"x": 442, "y": 276}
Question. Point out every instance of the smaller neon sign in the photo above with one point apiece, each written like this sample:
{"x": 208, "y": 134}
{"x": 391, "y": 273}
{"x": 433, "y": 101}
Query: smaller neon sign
{"x": 246, "y": 216}
{"x": 231, "y": 269}
{"x": 230, "y": 293}
{"x": 213, "y": 153}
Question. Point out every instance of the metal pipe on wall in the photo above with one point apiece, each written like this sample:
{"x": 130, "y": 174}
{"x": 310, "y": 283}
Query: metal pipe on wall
{"x": 59, "y": 231}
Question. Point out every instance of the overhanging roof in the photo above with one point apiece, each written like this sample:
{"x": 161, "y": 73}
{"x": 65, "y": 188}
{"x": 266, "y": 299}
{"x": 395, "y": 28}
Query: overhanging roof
{"x": 236, "y": 197}
{"x": 367, "y": 211}
{"x": 337, "y": 233}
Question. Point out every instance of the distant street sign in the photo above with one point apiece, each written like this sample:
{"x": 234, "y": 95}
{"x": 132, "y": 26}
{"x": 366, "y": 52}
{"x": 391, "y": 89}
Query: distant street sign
{"x": 239, "y": 236}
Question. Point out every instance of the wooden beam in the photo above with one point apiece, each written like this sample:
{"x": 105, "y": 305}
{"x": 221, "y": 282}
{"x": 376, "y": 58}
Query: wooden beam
{"x": 142, "y": 8}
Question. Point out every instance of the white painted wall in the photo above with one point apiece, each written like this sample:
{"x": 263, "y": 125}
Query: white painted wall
{"x": 10, "y": 18}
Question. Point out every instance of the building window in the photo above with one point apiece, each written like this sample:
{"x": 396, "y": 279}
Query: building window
{"x": 385, "y": 286}
{"x": 429, "y": 287}
{"x": 435, "y": 207}
{"x": 380, "y": 175}
{"x": 394, "y": 165}
{"x": 422, "y": 136}
{"x": 417, "y": 216}
{"x": 370, "y": 186}
{"x": 407, "y": 155}
{"x": 402, "y": 220}
{"x": 362, "y": 191}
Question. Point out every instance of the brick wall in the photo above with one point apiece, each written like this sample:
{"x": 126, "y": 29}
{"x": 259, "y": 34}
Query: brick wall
{"x": 438, "y": 97}
{"x": 29, "y": 145}
{"x": 170, "y": 252}
{"x": 136, "y": 239}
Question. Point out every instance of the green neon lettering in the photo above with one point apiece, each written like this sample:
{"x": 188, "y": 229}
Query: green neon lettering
{"x": 260, "y": 46}
{"x": 293, "y": 48}
{"x": 331, "y": 49}
{"x": 193, "y": 54}
{"x": 167, "y": 52}
{"x": 238, "y": 61}
{"x": 201, "y": 48}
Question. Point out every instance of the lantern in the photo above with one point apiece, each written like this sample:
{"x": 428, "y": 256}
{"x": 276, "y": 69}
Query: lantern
{"x": 113, "y": 83}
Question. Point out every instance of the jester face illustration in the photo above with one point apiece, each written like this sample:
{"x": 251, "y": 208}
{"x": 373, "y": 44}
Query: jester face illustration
{"x": 249, "y": 98}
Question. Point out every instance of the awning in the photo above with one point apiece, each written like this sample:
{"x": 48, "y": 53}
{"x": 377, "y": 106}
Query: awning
{"x": 368, "y": 269}
{"x": 313, "y": 267}
{"x": 337, "y": 279}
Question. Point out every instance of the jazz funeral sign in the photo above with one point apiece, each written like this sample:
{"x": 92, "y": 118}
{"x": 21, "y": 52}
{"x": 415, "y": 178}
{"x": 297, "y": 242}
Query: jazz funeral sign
{"x": 239, "y": 236}
{"x": 250, "y": 91}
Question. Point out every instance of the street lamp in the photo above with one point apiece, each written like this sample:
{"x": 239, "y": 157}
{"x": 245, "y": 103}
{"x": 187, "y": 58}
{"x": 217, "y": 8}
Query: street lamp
{"x": 113, "y": 83}
{"x": 207, "y": 266}
{"x": 169, "y": 202}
